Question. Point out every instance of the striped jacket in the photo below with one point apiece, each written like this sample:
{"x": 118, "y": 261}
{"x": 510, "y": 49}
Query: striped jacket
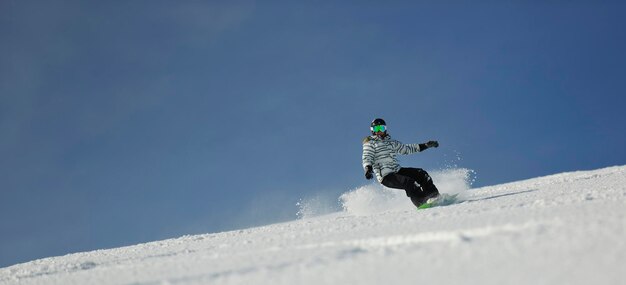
{"x": 380, "y": 153}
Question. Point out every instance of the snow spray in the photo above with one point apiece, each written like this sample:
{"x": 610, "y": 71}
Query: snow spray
{"x": 375, "y": 198}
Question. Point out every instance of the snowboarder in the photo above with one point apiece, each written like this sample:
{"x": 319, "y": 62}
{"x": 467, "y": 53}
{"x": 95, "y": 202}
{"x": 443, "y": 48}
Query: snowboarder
{"x": 379, "y": 158}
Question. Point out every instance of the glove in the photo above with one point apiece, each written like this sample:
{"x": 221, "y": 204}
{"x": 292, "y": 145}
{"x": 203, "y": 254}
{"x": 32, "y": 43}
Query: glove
{"x": 432, "y": 144}
{"x": 369, "y": 172}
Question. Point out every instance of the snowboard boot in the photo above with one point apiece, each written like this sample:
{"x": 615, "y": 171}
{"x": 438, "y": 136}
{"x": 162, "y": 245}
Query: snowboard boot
{"x": 420, "y": 200}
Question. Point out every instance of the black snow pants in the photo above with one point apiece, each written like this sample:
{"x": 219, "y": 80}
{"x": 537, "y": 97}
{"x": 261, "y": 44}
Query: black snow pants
{"x": 415, "y": 181}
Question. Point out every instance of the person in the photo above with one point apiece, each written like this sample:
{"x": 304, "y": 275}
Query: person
{"x": 379, "y": 158}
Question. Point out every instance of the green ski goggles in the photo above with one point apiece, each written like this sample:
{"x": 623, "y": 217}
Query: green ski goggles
{"x": 379, "y": 128}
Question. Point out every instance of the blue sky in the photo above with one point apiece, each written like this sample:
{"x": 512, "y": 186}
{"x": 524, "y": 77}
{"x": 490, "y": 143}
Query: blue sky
{"x": 130, "y": 121}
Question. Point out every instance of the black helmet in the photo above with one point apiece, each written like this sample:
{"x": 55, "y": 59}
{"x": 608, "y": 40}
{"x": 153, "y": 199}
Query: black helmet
{"x": 376, "y": 124}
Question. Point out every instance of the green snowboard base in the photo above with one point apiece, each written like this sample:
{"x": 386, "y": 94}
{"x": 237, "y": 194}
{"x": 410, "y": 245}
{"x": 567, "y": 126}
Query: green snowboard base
{"x": 442, "y": 200}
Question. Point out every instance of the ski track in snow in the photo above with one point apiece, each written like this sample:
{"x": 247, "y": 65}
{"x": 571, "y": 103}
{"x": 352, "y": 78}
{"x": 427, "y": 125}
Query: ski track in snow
{"x": 567, "y": 228}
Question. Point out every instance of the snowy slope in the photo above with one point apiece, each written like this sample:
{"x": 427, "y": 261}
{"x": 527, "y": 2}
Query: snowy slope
{"x": 567, "y": 228}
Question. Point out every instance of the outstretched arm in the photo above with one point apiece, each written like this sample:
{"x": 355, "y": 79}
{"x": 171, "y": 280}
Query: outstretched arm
{"x": 401, "y": 148}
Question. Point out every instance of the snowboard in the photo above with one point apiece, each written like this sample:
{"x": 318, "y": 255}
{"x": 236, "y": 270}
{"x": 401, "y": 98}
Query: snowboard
{"x": 442, "y": 200}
